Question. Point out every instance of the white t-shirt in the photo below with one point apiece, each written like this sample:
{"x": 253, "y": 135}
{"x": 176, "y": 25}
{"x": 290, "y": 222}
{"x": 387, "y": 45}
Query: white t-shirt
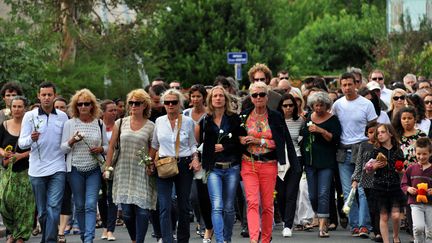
{"x": 383, "y": 118}
{"x": 424, "y": 125}
{"x": 353, "y": 116}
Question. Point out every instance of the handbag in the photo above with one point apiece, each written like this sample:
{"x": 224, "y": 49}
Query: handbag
{"x": 167, "y": 167}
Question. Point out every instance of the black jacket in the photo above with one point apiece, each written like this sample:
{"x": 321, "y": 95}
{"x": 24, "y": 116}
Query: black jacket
{"x": 231, "y": 152}
{"x": 281, "y": 136}
{"x": 387, "y": 179}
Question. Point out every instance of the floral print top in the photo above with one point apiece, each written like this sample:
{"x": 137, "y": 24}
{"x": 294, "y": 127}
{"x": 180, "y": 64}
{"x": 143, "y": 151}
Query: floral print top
{"x": 408, "y": 148}
{"x": 258, "y": 127}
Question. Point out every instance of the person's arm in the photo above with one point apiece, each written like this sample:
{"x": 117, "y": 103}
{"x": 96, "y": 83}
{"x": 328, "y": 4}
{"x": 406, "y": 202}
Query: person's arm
{"x": 68, "y": 140}
{"x": 355, "y": 178}
{"x": 406, "y": 183}
{"x": 105, "y": 142}
{"x": 24, "y": 140}
{"x": 112, "y": 144}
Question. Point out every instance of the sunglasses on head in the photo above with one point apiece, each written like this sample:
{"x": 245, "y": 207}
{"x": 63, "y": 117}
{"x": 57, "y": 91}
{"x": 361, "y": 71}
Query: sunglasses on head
{"x": 288, "y": 105}
{"x": 395, "y": 98}
{"x": 259, "y": 79}
{"x": 135, "y": 103}
{"x": 262, "y": 95}
{"x": 378, "y": 78}
{"x": 170, "y": 102}
{"x": 79, "y": 104}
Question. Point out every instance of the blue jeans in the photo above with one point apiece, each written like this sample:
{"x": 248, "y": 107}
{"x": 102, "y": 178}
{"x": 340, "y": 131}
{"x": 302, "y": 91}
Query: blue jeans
{"x": 222, "y": 187}
{"x": 48, "y": 193}
{"x": 183, "y": 183}
{"x": 85, "y": 188}
{"x": 136, "y": 220}
{"x": 319, "y": 183}
{"x": 359, "y": 213}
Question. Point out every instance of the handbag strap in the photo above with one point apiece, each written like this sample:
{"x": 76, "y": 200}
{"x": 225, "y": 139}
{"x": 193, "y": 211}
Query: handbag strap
{"x": 118, "y": 136}
{"x": 101, "y": 130}
{"x": 177, "y": 147}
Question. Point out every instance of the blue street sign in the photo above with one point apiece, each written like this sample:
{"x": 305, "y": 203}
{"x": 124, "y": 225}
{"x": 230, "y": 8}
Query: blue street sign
{"x": 237, "y": 57}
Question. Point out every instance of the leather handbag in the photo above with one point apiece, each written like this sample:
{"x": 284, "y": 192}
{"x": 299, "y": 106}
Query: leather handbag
{"x": 167, "y": 166}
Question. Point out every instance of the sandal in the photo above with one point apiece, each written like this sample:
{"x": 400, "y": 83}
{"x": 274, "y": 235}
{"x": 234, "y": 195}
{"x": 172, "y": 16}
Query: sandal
{"x": 61, "y": 239}
{"x": 308, "y": 227}
{"x": 323, "y": 234}
{"x": 332, "y": 227}
{"x": 299, "y": 227}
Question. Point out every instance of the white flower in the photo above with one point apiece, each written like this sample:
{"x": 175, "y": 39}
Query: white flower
{"x": 229, "y": 135}
{"x": 346, "y": 210}
{"x": 242, "y": 125}
{"x": 309, "y": 123}
{"x": 7, "y": 112}
{"x": 200, "y": 148}
{"x": 221, "y": 131}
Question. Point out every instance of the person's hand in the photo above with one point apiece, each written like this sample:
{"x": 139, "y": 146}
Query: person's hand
{"x": 354, "y": 184}
{"x": 429, "y": 191}
{"x": 380, "y": 164}
{"x": 218, "y": 148}
{"x": 315, "y": 128}
{"x": 35, "y": 136}
{"x": 249, "y": 140}
{"x": 150, "y": 169}
{"x": 96, "y": 150}
{"x": 412, "y": 190}
{"x": 195, "y": 165}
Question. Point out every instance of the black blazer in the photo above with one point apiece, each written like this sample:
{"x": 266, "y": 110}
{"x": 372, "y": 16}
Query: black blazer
{"x": 281, "y": 136}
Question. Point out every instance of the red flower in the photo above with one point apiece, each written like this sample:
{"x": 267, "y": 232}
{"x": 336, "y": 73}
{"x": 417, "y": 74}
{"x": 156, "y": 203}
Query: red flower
{"x": 399, "y": 165}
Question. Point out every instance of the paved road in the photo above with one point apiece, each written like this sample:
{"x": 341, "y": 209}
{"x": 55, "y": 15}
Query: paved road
{"x": 337, "y": 236}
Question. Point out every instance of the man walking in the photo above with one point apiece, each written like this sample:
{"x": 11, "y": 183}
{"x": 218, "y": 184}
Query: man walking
{"x": 41, "y": 131}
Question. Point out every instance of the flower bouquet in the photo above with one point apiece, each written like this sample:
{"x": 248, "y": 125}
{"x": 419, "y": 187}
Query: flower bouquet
{"x": 347, "y": 205}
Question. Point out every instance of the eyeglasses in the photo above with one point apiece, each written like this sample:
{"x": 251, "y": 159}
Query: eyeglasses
{"x": 171, "y": 102}
{"x": 255, "y": 95}
{"x": 378, "y": 78}
{"x": 428, "y": 102}
{"x": 176, "y": 87}
{"x": 79, "y": 104}
{"x": 259, "y": 79}
{"x": 288, "y": 105}
{"x": 282, "y": 78}
{"x": 396, "y": 98}
{"x": 135, "y": 103}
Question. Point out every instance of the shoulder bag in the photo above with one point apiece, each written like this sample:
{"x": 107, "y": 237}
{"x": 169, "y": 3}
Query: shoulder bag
{"x": 167, "y": 166}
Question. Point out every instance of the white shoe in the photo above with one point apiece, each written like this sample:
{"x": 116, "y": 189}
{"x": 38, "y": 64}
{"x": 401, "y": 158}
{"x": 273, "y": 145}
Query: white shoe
{"x": 286, "y": 232}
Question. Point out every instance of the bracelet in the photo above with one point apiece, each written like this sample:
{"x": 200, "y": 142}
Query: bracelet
{"x": 110, "y": 168}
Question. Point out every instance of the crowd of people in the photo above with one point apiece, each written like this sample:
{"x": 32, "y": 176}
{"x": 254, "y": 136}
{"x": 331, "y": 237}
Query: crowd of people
{"x": 356, "y": 154}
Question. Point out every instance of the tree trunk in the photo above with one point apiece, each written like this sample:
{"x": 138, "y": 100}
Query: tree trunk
{"x": 68, "y": 45}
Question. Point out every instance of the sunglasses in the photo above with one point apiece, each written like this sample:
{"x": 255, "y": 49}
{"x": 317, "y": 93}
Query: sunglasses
{"x": 259, "y": 79}
{"x": 176, "y": 87}
{"x": 262, "y": 95}
{"x": 282, "y": 78}
{"x": 79, "y": 104}
{"x": 428, "y": 102}
{"x": 379, "y": 78}
{"x": 171, "y": 102}
{"x": 396, "y": 98}
{"x": 135, "y": 103}
{"x": 288, "y": 105}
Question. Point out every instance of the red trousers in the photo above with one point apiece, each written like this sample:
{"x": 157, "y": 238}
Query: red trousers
{"x": 259, "y": 181}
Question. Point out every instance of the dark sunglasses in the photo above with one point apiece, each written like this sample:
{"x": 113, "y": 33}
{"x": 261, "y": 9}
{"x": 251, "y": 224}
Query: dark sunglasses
{"x": 288, "y": 105}
{"x": 375, "y": 79}
{"x": 171, "y": 102}
{"x": 428, "y": 102}
{"x": 262, "y": 95}
{"x": 395, "y": 98}
{"x": 287, "y": 78}
{"x": 79, "y": 104}
{"x": 135, "y": 103}
{"x": 259, "y": 79}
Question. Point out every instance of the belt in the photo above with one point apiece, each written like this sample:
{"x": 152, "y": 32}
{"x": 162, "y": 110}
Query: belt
{"x": 263, "y": 157}
{"x": 223, "y": 165}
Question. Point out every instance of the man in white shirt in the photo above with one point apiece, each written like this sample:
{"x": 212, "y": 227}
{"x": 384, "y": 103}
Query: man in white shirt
{"x": 41, "y": 131}
{"x": 378, "y": 76}
{"x": 354, "y": 112}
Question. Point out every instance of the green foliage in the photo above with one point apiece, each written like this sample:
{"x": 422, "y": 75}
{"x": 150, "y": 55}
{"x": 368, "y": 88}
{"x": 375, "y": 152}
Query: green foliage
{"x": 332, "y": 43}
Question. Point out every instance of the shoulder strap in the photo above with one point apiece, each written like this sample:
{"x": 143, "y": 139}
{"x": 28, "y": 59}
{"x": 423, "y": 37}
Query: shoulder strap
{"x": 179, "y": 124}
{"x": 101, "y": 130}
{"x": 118, "y": 136}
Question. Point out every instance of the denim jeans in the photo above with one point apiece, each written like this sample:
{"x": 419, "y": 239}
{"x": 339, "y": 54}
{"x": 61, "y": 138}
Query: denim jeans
{"x": 48, "y": 193}
{"x": 183, "y": 183}
{"x": 319, "y": 183}
{"x": 222, "y": 187}
{"x": 85, "y": 188}
{"x": 136, "y": 220}
{"x": 359, "y": 213}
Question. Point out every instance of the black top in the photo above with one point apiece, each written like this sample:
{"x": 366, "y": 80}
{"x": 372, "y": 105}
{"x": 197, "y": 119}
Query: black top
{"x": 230, "y": 124}
{"x": 387, "y": 178}
{"x": 7, "y": 139}
{"x": 281, "y": 136}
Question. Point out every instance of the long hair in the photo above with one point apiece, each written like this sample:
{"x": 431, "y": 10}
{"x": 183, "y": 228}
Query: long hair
{"x": 396, "y": 122}
{"x": 228, "y": 106}
{"x": 394, "y": 139}
{"x": 295, "y": 114}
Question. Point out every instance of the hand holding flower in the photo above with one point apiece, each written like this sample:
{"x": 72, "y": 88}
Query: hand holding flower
{"x": 218, "y": 148}
{"x": 35, "y": 136}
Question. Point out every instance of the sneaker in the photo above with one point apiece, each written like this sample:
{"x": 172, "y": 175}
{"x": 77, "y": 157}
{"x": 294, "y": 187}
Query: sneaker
{"x": 286, "y": 232}
{"x": 355, "y": 232}
{"x": 364, "y": 233}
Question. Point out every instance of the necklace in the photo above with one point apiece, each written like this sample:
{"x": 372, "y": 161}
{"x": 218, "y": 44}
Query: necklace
{"x": 256, "y": 113}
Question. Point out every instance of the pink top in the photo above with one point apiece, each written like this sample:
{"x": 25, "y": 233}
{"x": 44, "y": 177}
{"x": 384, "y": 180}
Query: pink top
{"x": 258, "y": 127}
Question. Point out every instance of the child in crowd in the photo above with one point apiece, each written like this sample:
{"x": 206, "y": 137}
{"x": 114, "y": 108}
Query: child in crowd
{"x": 417, "y": 176}
{"x": 364, "y": 181}
{"x": 388, "y": 195}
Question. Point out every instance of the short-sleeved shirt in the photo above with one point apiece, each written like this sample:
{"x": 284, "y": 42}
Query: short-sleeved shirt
{"x": 354, "y": 116}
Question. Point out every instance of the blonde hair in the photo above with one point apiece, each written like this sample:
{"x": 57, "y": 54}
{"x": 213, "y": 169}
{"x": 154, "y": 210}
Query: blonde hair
{"x": 393, "y": 94}
{"x": 259, "y": 85}
{"x": 228, "y": 104}
{"x": 87, "y": 94}
{"x": 140, "y": 95}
